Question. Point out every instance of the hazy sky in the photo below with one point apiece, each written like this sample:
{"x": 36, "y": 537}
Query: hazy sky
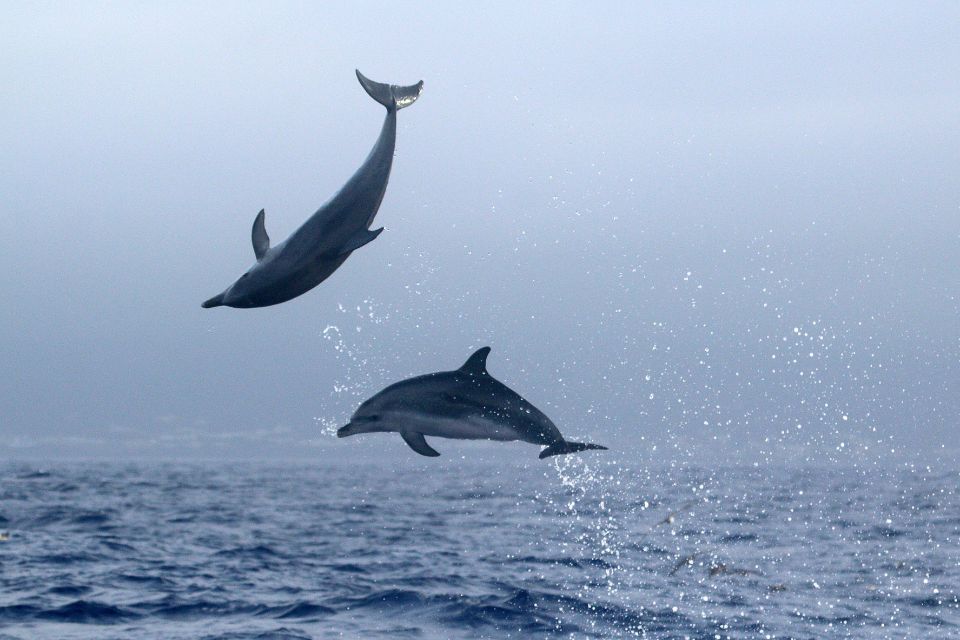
{"x": 687, "y": 232}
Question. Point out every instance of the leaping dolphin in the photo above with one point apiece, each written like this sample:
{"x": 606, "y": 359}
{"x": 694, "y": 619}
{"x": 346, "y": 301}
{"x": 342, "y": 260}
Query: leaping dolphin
{"x": 329, "y": 236}
{"x": 467, "y": 404}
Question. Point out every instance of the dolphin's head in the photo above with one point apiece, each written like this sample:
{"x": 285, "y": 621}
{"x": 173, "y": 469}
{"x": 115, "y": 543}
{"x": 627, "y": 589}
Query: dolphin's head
{"x": 366, "y": 419}
{"x": 215, "y": 301}
{"x": 240, "y": 293}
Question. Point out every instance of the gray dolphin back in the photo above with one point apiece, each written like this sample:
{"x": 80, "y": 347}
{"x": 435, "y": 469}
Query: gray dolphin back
{"x": 393, "y": 97}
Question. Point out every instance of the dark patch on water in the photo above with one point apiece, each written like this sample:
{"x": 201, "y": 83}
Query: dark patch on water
{"x": 33, "y": 475}
{"x": 68, "y": 558}
{"x": 258, "y": 552}
{"x": 281, "y": 633}
{"x": 881, "y": 531}
{"x": 183, "y": 609}
{"x": 738, "y": 537}
{"x": 298, "y": 610}
{"x": 385, "y": 600}
{"x": 578, "y": 563}
{"x": 498, "y": 617}
{"x": 18, "y": 612}
{"x": 348, "y": 567}
{"x": 934, "y": 601}
{"x": 69, "y": 590}
{"x": 93, "y": 518}
{"x": 87, "y": 612}
{"x": 146, "y": 581}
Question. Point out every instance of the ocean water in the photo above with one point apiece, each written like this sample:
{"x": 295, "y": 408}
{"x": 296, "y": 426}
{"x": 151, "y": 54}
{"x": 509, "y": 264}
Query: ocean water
{"x": 575, "y": 547}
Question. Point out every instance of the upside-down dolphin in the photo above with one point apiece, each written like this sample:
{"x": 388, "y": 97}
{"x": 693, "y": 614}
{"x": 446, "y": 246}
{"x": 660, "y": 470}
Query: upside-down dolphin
{"x": 467, "y": 404}
{"x": 329, "y": 236}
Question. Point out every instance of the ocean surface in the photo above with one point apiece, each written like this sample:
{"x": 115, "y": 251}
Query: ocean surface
{"x": 575, "y": 547}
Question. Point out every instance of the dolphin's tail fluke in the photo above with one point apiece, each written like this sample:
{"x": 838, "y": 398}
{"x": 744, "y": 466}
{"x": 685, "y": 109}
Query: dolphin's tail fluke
{"x": 560, "y": 448}
{"x": 390, "y": 95}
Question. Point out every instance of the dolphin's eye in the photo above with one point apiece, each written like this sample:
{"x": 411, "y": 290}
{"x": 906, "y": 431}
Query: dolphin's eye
{"x": 244, "y": 276}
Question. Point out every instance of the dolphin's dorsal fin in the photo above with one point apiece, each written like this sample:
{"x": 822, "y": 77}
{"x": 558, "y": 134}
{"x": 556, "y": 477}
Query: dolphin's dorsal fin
{"x": 418, "y": 443}
{"x": 476, "y": 365}
{"x": 261, "y": 241}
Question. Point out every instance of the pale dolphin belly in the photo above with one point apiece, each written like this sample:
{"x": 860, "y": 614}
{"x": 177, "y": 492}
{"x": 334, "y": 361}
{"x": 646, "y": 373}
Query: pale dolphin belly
{"x": 467, "y": 428}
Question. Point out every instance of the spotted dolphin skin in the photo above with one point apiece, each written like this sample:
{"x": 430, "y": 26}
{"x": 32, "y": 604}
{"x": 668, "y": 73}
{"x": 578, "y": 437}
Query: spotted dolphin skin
{"x": 329, "y": 236}
{"x": 467, "y": 404}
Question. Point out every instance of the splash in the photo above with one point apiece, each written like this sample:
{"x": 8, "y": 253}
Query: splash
{"x": 358, "y": 372}
{"x": 591, "y": 503}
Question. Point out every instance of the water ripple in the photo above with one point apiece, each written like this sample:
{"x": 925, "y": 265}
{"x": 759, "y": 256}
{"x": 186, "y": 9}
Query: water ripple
{"x": 242, "y": 552}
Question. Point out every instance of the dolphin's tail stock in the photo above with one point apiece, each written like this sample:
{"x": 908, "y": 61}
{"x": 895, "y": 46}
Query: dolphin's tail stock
{"x": 390, "y": 95}
{"x": 563, "y": 447}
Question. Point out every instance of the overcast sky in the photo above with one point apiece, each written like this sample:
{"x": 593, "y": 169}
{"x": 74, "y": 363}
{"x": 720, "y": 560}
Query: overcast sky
{"x": 687, "y": 232}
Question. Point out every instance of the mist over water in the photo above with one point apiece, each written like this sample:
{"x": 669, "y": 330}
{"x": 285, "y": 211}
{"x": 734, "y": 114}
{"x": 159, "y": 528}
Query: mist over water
{"x": 689, "y": 228}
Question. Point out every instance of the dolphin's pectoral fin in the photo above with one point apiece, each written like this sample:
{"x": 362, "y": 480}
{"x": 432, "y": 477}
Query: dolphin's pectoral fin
{"x": 418, "y": 443}
{"x": 261, "y": 241}
{"x": 359, "y": 239}
{"x": 476, "y": 365}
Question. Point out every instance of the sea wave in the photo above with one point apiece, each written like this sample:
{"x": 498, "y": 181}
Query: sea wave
{"x": 227, "y": 553}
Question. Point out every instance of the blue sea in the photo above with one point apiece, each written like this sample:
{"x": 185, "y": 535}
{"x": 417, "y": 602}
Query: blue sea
{"x": 576, "y": 547}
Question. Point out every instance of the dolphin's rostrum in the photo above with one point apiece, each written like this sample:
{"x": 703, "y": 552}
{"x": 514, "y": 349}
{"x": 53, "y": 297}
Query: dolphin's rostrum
{"x": 465, "y": 404}
{"x": 326, "y": 239}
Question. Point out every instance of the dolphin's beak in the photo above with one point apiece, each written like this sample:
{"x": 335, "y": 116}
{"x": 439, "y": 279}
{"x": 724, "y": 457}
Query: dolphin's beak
{"x": 357, "y": 424}
{"x": 215, "y": 301}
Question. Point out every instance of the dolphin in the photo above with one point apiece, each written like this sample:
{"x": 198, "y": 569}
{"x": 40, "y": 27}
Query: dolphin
{"x": 329, "y": 236}
{"x": 467, "y": 404}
